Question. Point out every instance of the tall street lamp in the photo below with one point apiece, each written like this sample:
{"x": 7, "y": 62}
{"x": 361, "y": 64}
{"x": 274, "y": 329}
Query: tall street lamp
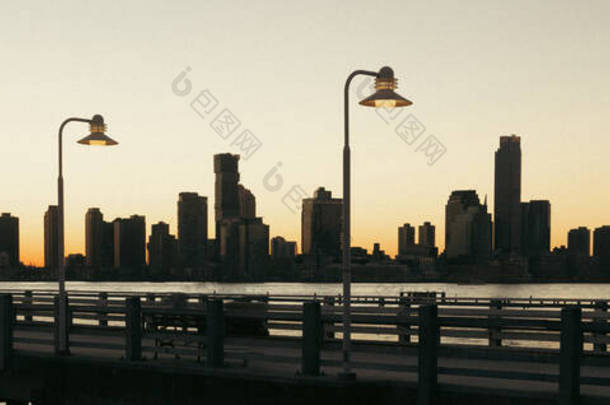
{"x": 384, "y": 96}
{"x": 97, "y": 136}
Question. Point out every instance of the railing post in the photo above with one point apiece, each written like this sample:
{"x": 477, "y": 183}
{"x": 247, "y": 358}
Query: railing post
{"x": 133, "y": 326}
{"x": 329, "y": 334}
{"x": 27, "y": 300}
{"x": 427, "y": 365}
{"x": 404, "y": 305}
{"x": 6, "y": 331}
{"x": 102, "y": 302}
{"x": 494, "y": 330}
{"x": 601, "y": 308}
{"x": 312, "y": 338}
{"x": 66, "y": 334}
{"x": 215, "y": 333}
{"x": 569, "y": 357}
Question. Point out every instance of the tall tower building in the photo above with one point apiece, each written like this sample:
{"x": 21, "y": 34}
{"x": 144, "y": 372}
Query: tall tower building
{"x": 426, "y": 235}
{"x": 130, "y": 242}
{"x": 247, "y": 203}
{"x": 226, "y": 190}
{"x": 192, "y": 229}
{"x": 99, "y": 240}
{"x": 321, "y": 220}
{"x": 601, "y": 247}
{"x": 507, "y": 209}
{"x": 535, "y": 228}
{"x": 579, "y": 241}
{"x": 162, "y": 249}
{"x": 406, "y": 238}
{"x": 468, "y": 227}
{"x": 458, "y": 203}
{"x": 9, "y": 239}
{"x": 51, "y": 255}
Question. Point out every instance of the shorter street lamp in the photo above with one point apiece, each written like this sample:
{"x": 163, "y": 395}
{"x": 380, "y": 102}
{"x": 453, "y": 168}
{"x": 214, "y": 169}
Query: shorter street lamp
{"x": 97, "y": 136}
{"x": 385, "y": 97}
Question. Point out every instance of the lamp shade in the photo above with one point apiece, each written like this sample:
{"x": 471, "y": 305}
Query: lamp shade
{"x": 97, "y": 135}
{"x": 385, "y": 96}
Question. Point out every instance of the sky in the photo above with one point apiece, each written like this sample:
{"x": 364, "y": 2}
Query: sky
{"x": 474, "y": 70}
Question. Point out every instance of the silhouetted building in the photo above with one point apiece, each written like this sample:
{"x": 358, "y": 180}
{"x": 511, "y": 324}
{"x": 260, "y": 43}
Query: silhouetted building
{"x": 283, "y": 249}
{"x": 426, "y": 235}
{"x": 226, "y": 190}
{"x": 601, "y": 246}
{"x": 130, "y": 242}
{"x": 321, "y": 221}
{"x": 469, "y": 227}
{"x": 535, "y": 228}
{"x": 51, "y": 235}
{"x": 162, "y": 249}
{"x": 254, "y": 247}
{"x": 378, "y": 254}
{"x": 579, "y": 242}
{"x": 192, "y": 230}
{"x": 247, "y": 202}
{"x": 9, "y": 239}
{"x": 406, "y": 238}
{"x": 507, "y": 201}
{"x": 75, "y": 265}
{"x": 458, "y": 202}
{"x": 99, "y": 240}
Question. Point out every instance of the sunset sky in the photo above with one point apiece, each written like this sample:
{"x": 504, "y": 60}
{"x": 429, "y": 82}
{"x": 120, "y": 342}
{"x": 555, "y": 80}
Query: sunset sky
{"x": 475, "y": 70}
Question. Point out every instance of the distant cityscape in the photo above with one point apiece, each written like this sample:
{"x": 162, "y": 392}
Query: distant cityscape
{"x": 514, "y": 246}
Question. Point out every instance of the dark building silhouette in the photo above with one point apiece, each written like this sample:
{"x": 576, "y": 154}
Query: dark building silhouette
{"x": 406, "y": 239}
{"x": 468, "y": 227}
{"x": 321, "y": 221}
{"x": 535, "y": 228}
{"x": 99, "y": 240}
{"x": 507, "y": 200}
{"x": 247, "y": 203}
{"x": 9, "y": 240}
{"x": 601, "y": 247}
{"x": 51, "y": 235}
{"x": 244, "y": 247}
{"x": 130, "y": 242}
{"x": 426, "y": 235}
{"x": 192, "y": 230}
{"x": 162, "y": 249}
{"x": 579, "y": 242}
{"x": 226, "y": 190}
{"x": 283, "y": 249}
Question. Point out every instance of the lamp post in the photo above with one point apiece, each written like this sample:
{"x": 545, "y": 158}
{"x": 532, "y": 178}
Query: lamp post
{"x": 384, "y": 96}
{"x": 97, "y": 136}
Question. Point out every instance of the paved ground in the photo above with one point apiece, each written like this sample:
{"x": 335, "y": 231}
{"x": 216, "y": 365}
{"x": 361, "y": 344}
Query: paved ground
{"x": 278, "y": 357}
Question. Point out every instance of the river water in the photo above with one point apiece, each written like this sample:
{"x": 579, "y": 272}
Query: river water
{"x": 551, "y": 290}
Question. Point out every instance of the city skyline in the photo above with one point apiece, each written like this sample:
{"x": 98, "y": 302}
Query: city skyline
{"x": 552, "y": 92}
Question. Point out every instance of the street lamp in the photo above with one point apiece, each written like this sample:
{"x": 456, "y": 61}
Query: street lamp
{"x": 384, "y": 96}
{"x": 97, "y": 136}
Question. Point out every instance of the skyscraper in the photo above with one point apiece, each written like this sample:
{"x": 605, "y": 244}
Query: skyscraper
{"x": 130, "y": 242}
{"x": 162, "y": 249}
{"x": 601, "y": 247}
{"x": 51, "y": 254}
{"x": 99, "y": 240}
{"x": 226, "y": 190}
{"x": 9, "y": 239}
{"x": 535, "y": 228}
{"x": 426, "y": 235}
{"x": 321, "y": 220}
{"x": 192, "y": 229}
{"x": 468, "y": 227}
{"x": 247, "y": 203}
{"x": 459, "y": 201}
{"x": 406, "y": 238}
{"x": 579, "y": 241}
{"x": 507, "y": 209}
